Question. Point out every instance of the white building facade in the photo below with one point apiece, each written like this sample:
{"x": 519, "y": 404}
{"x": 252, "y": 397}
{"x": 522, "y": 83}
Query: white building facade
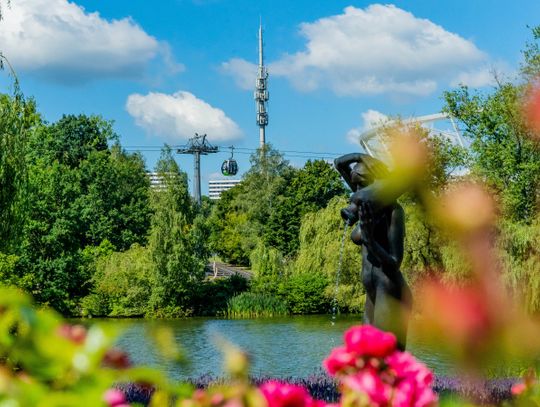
{"x": 217, "y": 186}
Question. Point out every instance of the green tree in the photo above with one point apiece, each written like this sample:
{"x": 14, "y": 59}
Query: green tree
{"x": 115, "y": 200}
{"x": 308, "y": 190}
{"x": 504, "y": 153}
{"x": 177, "y": 267}
{"x": 77, "y": 199}
{"x": 268, "y": 206}
{"x": 18, "y": 119}
{"x": 239, "y": 219}
{"x": 530, "y": 68}
{"x": 268, "y": 265}
{"x": 262, "y": 184}
{"x": 307, "y": 294}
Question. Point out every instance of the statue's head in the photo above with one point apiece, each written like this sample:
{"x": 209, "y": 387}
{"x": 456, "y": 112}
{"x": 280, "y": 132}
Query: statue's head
{"x": 367, "y": 171}
{"x": 364, "y": 173}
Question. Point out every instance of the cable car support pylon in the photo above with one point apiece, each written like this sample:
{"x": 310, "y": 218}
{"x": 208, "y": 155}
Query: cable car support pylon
{"x": 197, "y": 146}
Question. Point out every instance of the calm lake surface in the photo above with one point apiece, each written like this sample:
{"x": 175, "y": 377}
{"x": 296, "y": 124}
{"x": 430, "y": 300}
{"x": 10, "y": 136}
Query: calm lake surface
{"x": 279, "y": 347}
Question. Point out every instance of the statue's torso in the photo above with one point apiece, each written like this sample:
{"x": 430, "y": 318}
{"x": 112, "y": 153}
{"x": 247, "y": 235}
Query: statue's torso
{"x": 374, "y": 274}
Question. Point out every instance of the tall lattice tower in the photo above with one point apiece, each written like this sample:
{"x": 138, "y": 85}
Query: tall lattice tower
{"x": 261, "y": 93}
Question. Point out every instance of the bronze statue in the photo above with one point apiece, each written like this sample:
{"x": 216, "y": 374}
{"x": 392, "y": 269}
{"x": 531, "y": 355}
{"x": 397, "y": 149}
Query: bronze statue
{"x": 380, "y": 230}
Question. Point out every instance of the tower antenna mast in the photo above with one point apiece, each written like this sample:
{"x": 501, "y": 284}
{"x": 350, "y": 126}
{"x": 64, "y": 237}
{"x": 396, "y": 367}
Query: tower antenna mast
{"x": 261, "y": 93}
{"x": 197, "y": 146}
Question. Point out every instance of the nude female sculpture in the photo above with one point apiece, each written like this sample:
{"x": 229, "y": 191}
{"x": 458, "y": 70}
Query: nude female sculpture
{"x": 380, "y": 230}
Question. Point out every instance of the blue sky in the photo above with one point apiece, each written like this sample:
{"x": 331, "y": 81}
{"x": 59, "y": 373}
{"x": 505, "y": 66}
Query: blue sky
{"x": 163, "y": 70}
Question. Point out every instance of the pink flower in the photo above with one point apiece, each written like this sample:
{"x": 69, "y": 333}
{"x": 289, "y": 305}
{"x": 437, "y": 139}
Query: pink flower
{"x": 371, "y": 370}
{"x": 518, "y": 388}
{"x": 115, "y": 398}
{"x": 404, "y": 365}
{"x": 403, "y": 394}
{"x": 367, "y": 340}
{"x": 413, "y": 380}
{"x": 425, "y": 397}
{"x": 338, "y": 359}
{"x": 75, "y": 333}
{"x": 279, "y": 394}
{"x": 368, "y": 382}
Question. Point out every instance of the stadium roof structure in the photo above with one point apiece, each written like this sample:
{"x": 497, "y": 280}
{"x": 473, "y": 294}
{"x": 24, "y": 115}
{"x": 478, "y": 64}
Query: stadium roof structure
{"x": 440, "y": 124}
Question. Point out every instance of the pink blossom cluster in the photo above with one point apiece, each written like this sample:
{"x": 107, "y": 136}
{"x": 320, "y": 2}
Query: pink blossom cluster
{"x": 279, "y": 394}
{"x": 373, "y": 372}
{"x": 115, "y": 398}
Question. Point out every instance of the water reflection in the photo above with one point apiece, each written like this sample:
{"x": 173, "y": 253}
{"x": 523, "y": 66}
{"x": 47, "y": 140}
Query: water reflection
{"x": 279, "y": 347}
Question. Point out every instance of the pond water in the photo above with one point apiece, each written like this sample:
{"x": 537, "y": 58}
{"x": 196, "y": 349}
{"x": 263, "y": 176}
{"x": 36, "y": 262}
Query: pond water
{"x": 279, "y": 347}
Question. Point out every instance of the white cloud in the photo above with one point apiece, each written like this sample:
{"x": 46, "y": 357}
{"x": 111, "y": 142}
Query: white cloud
{"x": 62, "y": 42}
{"x": 377, "y": 50}
{"x": 179, "y": 116}
{"x": 475, "y": 78}
{"x": 243, "y": 72}
{"x": 370, "y": 119}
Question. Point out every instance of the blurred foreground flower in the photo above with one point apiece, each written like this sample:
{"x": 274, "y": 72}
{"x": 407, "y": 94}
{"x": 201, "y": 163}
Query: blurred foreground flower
{"x": 531, "y": 109}
{"x": 47, "y": 362}
{"x": 279, "y": 394}
{"x": 465, "y": 209}
{"x": 115, "y": 398}
{"x": 476, "y": 321}
{"x": 372, "y": 372}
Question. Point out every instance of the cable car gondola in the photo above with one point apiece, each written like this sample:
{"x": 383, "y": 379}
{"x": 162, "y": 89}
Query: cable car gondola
{"x": 229, "y": 167}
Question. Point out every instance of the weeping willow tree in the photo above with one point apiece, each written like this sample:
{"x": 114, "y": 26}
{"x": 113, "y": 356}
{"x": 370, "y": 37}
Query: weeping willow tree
{"x": 268, "y": 265}
{"x": 18, "y": 117}
{"x": 321, "y": 235}
{"x": 520, "y": 250}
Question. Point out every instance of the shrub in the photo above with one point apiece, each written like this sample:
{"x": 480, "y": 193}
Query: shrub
{"x": 305, "y": 294}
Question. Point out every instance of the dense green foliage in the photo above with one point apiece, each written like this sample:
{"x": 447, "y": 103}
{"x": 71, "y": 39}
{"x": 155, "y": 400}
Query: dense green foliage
{"x": 309, "y": 189}
{"x": 504, "y": 154}
{"x": 80, "y": 227}
{"x": 308, "y": 294}
{"x": 80, "y": 192}
{"x": 212, "y": 296}
{"x": 520, "y": 246}
{"x": 121, "y": 283}
{"x": 163, "y": 277}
